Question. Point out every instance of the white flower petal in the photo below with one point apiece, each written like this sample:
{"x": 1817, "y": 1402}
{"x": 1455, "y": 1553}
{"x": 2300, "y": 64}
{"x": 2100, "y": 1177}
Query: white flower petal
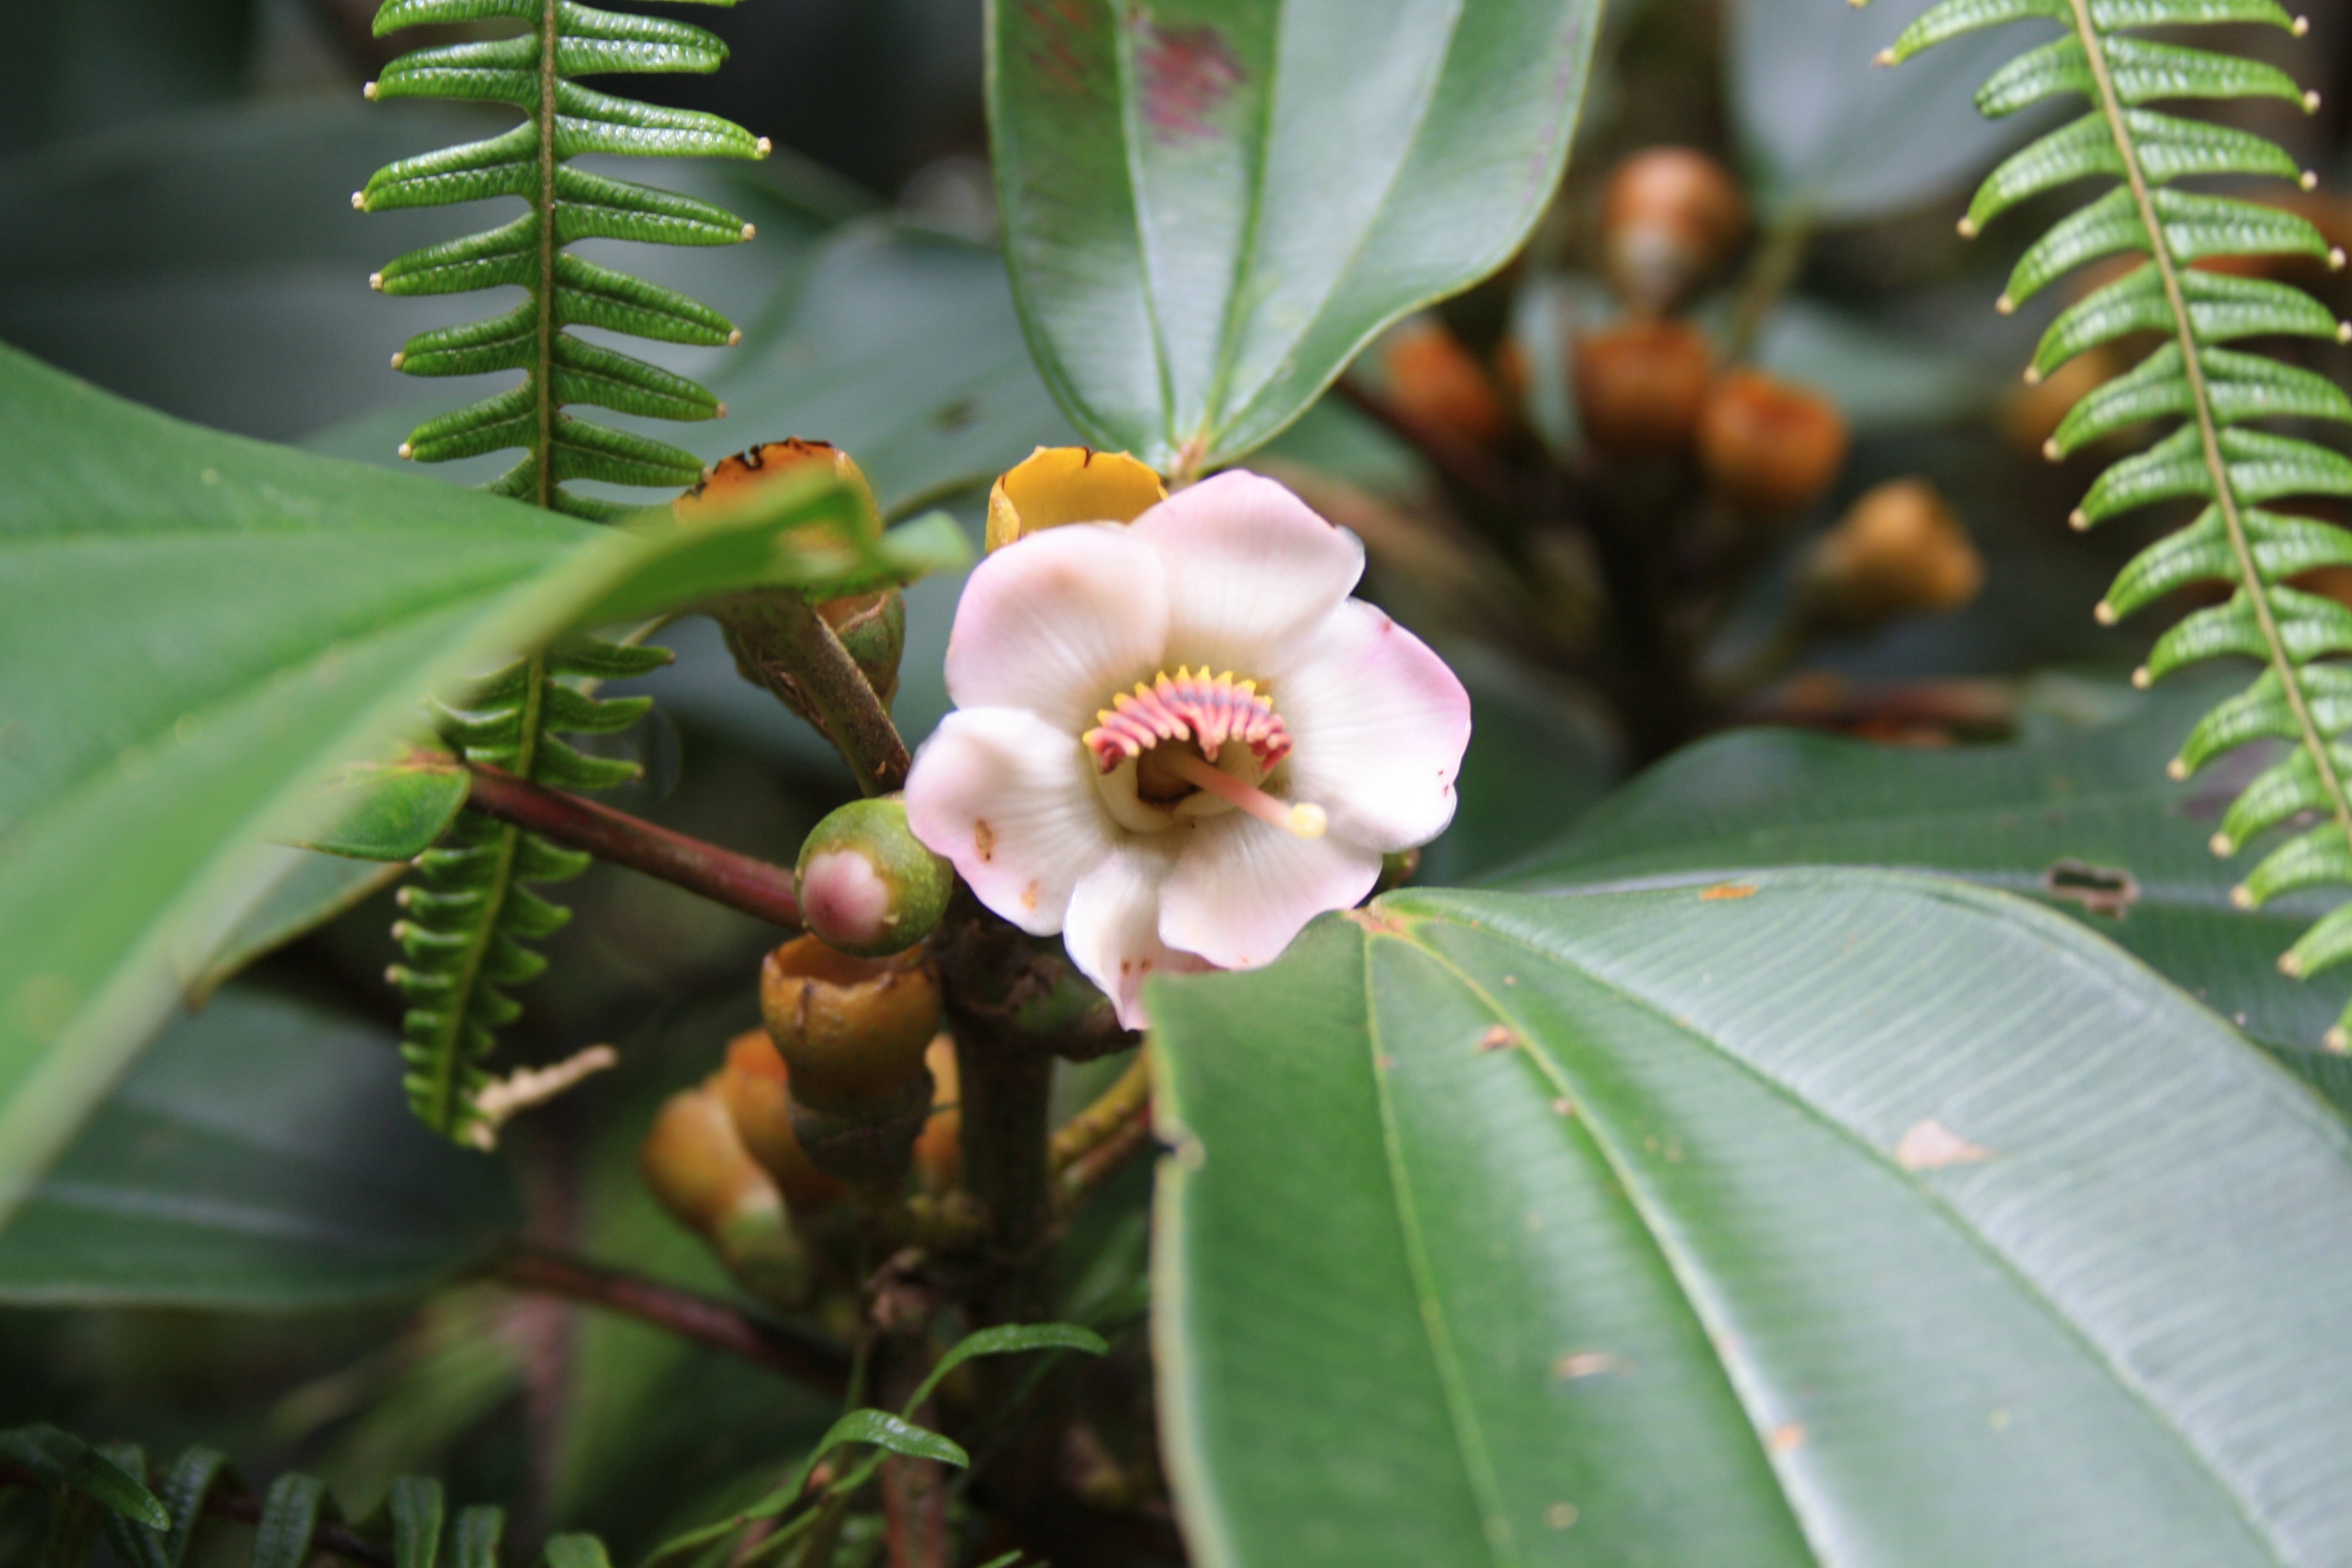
{"x": 1009, "y": 799}
{"x": 1058, "y": 623}
{"x": 1113, "y": 933}
{"x": 1242, "y": 890}
{"x": 1250, "y": 568}
{"x": 1378, "y": 724}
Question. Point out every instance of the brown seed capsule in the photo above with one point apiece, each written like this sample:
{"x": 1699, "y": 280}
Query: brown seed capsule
{"x": 1901, "y": 551}
{"x": 1436, "y": 383}
{"x": 696, "y": 1166}
{"x": 1639, "y": 386}
{"x": 754, "y": 1086}
{"x": 728, "y": 481}
{"x": 1057, "y": 485}
{"x": 1769, "y": 448}
{"x": 854, "y": 1032}
{"x": 1670, "y": 219}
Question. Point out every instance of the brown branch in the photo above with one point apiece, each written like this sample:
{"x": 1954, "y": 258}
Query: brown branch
{"x": 334, "y": 1539}
{"x": 755, "y": 887}
{"x": 820, "y": 1365}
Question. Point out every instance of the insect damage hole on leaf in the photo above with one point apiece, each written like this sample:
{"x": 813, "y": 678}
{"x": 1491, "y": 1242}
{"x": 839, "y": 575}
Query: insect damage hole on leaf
{"x": 2100, "y": 889}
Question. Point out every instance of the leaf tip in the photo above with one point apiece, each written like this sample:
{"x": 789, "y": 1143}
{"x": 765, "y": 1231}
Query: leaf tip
{"x": 2005, "y": 305}
{"x": 2052, "y": 451}
{"x": 2336, "y": 258}
{"x": 1884, "y": 57}
{"x": 376, "y": 281}
{"x": 2034, "y": 375}
{"x": 2142, "y": 679}
{"x": 398, "y": 359}
{"x": 2311, "y": 102}
{"x": 2289, "y": 964}
{"x": 2308, "y": 179}
{"x": 718, "y": 412}
{"x": 2344, "y": 332}
{"x": 2223, "y": 845}
{"x": 2103, "y": 611}
{"x": 2176, "y": 770}
{"x": 2080, "y": 521}
{"x": 764, "y": 146}
{"x": 2301, "y": 27}
{"x": 368, "y": 91}
{"x": 735, "y": 337}
{"x": 2241, "y": 897}
{"x": 408, "y": 453}
{"x": 1968, "y": 227}
{"x": 2338, "y": 1040}
{"x": 751, "y": 231}
{"x": 359, "y": 200}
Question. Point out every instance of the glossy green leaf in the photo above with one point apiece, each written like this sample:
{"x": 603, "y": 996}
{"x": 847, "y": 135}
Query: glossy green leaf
{"x": 476, "y": 1542}
{"x": 1210, "y": 207}
{"x": 291, "y": 1512}
{"x": 257, "y": 1157}
{"x": 1009, "y": 1339}
{"x": 2220, "y": 308}
{"x": 576, "y": 1552}
{"x": 414, "y": 1505}
{"x": 58, "y": 1458}
{"x": 2083, "y": 820}
{"x": 1794, "y": 1221}
{"x": 2169, "y": 148}
{"x": 291, "y": 613}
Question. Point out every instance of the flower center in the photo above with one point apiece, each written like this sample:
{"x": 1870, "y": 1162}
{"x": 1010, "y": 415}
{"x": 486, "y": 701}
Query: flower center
{"x": 1193, "y": 744}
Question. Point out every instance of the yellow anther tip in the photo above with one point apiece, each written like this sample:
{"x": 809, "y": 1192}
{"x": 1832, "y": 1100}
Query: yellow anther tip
{"x": 1308, "y": 820}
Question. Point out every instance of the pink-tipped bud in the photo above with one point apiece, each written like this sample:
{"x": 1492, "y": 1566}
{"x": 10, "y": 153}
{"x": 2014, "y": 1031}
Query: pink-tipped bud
{"x": 866, "y": 885}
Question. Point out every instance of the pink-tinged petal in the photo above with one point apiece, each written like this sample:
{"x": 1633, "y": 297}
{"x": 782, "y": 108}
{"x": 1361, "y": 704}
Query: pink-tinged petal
{"x": 1058, "y": 623}
{"x": 1250, "y": 568}
{"x": 1009, "y": 798}
{"x": 1378, "y": 726}
{"x": 1113, "y": 932}
{"x": 1242, "y": 890}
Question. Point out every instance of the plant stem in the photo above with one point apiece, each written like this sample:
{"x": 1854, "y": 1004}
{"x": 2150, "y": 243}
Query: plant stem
{"x": 755, "y": 887}
{"x": 550, "y": 242}
{"x": 1105, "y": 1158}
{"x": 1778, "y": 261}
{"x": 330, "y": 1539}
{"x": 2208, "y": 434}
{"x": 1004, "y": 1087}
{"x": 820, "y": 1365}
{"x": 1099, "y": 1122}
{"x": 801, "y": 659}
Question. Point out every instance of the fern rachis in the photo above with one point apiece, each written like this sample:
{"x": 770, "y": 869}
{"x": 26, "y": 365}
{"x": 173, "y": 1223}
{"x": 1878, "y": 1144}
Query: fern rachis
{"x": 2301, "y": 695}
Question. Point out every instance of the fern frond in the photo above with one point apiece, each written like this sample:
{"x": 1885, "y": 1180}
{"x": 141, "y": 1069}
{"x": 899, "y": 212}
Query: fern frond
{"x": 534, "y": 73}
{"x": 2304, "y": 695}
{"x": 295, "y": 1523}
{"x": 468, "y": 920}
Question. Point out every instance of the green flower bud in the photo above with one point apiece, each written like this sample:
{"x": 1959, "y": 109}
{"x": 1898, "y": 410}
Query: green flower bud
{"x": 866, "y": 885}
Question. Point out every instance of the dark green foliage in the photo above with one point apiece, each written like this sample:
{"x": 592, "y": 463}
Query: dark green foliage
{"x": 295, "y": 1523}
{"x": 533, "y": 73}
{"x": 472, "y": 911}
{"x": 2301, "y": 695}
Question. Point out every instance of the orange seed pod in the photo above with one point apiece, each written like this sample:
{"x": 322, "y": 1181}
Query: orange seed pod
{"x": 696, "y": 1168}
{"x": 1900, "y": 551}
{"x": 754, "y": 1087}
{"x": 1436, "y": 383}
{"x": 1670, "y": 217}
{"x": 1639, "y": 386}
{"x": 1767, "y": 446}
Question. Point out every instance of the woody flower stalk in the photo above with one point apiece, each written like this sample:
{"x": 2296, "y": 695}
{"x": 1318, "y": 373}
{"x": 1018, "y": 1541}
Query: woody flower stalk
{"x": 1180, "y": 740}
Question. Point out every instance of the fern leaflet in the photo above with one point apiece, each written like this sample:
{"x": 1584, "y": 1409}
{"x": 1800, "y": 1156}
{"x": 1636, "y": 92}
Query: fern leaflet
{"x": 2214, "y": 389}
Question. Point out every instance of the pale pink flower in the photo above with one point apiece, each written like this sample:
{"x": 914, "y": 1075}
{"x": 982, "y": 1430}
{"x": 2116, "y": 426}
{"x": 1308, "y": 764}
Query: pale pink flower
{"x": 1178, "y": 741}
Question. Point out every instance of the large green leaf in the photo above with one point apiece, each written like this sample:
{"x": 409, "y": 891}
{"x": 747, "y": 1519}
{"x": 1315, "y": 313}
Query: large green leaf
{"x": 260, "y": 1156}
{"x": 1830, "y": 1217}
{"x": 1210, "y": 205}
{"x": 2085, "y": 820}
{"x": 195, "y": 630}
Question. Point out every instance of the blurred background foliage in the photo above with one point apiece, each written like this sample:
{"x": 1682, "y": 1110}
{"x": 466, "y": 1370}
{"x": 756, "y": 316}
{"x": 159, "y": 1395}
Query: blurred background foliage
{"x": 173, "y": 190}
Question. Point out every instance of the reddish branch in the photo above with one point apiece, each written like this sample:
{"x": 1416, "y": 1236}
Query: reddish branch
{"x": 755, "y": 887}
{"x": 820, "y": 1365}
